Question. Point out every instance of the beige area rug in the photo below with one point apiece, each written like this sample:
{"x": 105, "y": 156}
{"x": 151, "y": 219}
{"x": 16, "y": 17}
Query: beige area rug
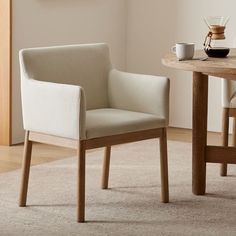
{"x": 132, "y": 204}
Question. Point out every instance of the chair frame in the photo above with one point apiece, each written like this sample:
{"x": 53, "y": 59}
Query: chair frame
{"x": 81, "y": 146}
{"x": 226, "y": 114}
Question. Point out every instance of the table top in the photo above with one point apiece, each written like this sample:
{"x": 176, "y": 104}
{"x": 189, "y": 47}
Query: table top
{"x": 221, "y": 67}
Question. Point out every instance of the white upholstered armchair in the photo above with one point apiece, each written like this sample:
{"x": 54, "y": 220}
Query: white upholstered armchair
{"x": 73, "y": 97}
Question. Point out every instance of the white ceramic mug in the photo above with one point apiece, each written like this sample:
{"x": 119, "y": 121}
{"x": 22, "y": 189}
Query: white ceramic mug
{"x": 183, "y": 51}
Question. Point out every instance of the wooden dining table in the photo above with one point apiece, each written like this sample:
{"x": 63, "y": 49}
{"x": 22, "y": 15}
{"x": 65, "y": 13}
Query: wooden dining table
{"x": 201, "y": 152}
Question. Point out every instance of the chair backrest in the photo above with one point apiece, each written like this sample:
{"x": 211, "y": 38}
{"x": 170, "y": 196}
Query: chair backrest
{"x": 228, "y": 89}
{"x": 86, "y": 65}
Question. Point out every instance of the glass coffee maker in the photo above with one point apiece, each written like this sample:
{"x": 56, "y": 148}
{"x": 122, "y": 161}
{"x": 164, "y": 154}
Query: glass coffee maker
{"x": 216, "y": 32}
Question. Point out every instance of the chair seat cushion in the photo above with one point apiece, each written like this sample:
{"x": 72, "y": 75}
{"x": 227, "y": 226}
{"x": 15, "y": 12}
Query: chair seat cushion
{"x": 108, "y": 121}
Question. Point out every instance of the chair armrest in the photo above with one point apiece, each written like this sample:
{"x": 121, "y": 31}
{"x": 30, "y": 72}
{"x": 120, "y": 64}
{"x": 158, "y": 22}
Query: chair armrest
{"x": 51, "y": 108}
{"x": 141, "y": 93}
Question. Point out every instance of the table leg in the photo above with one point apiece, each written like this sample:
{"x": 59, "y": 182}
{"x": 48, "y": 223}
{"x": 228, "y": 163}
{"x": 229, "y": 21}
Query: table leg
{"x": 199, "y": 142}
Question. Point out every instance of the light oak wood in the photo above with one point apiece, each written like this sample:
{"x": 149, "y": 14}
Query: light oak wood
{"x": 96, "y": 142}
{"x": 200, "y": 97}
{"x": 106, "y": 167}
{"x": 225, "y": 133}
{"x": 221, "y": 67}
{"x": 53, "y": 140}
{"x": 217, "y": 154}
{"x": 11, "y": 156}
{"x": 185, "y": 135}
{"x": 25, "y": 170}
{"x": 81, "y": 182}
{"x": 82, "y": 146}
{"x": 5, "y": 72}
{"x": 123, "y": 138}
{"x": 164, "y": 167}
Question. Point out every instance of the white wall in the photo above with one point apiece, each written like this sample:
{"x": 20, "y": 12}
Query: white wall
{"x": 139, "y": 32}
{"x": 55, "y": 22}
{"x": 154, "y": 26}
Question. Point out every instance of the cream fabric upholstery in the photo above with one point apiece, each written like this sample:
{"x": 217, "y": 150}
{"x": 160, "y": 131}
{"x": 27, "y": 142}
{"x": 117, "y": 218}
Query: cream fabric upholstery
{"x": 56, "y": 109}
{"x": 142, "y": 93}
{"x": 106, "y": 122}
{"x": 84, "y": 65}
{"x": 73, "y": 92}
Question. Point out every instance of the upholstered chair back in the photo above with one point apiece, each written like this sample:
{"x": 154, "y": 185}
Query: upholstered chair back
{"x": 229, "y": 91}
{"x": 86, "y": 65}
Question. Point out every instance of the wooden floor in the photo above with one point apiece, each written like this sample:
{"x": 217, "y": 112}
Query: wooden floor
{"x": 11, "y": 157}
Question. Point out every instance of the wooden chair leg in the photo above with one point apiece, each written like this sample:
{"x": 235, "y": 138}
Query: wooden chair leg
{"x": 225, "y": 133}
{"x": 164, "y": 167}
{"x": 25, "y": 170}
{"x": 106, "y": 167}
{"x": 81, "y": 182}
{"x": 234, "y": 133}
